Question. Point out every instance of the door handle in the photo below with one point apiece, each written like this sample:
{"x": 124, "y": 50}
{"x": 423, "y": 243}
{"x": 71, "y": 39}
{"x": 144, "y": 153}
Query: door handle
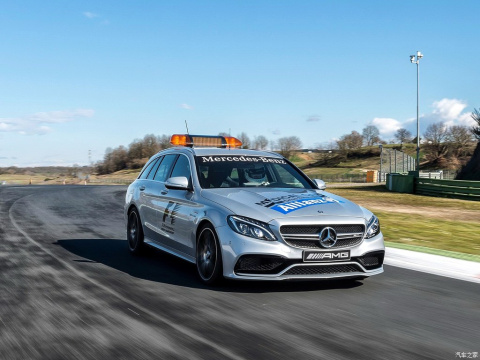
{"x": 142, "y": 188}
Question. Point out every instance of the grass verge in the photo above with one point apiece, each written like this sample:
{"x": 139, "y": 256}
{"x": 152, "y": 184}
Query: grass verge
{"x": 448, "y": 227}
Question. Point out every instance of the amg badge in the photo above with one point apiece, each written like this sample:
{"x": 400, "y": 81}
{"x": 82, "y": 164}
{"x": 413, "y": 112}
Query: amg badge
{"x": 319, "y": 256}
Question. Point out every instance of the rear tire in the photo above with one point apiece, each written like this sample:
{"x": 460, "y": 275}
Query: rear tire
{"x": 135, "y": 233}
{"x": 209, "y": 256}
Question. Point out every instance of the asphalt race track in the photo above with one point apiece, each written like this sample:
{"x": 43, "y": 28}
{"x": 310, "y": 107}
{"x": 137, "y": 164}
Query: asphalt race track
{"x": 69, "y": 289}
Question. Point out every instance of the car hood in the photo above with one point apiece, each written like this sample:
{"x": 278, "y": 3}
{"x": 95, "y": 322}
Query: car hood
{"x": 266, "y": 204}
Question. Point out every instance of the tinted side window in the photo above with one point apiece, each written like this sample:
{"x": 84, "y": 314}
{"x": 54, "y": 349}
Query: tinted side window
{"x": 164, "y": 168}
{"x": 182, "y": 167}
{"x": 154, "y": 169}
{"x": 147, "y": 169}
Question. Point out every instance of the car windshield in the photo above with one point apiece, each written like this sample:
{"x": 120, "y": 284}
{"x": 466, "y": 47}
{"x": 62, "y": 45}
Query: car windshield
{"x": 248, "y": 171}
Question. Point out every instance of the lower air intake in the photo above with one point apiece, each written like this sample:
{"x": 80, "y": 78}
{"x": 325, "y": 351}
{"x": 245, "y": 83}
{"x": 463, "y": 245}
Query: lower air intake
{"x": 322, "y": 269}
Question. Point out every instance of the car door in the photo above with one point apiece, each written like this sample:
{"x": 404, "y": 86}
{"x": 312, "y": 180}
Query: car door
{"x": 176, "y": 219}
{"x": 146, "y": 191}
{"x": 149, "y": 193}
{"x": 154, "y": 194}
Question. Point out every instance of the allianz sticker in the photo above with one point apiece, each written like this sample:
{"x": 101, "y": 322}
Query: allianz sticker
{"x": 290, "y": 203}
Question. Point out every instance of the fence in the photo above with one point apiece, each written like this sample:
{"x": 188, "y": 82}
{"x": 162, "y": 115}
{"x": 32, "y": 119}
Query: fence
{"x": 440, "y": 174}
{"x": 448, "y": 188}
{"x": 394, "y": 161}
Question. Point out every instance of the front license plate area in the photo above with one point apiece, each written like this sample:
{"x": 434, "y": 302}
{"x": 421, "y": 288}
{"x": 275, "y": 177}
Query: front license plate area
{"x": 326, "y": 256}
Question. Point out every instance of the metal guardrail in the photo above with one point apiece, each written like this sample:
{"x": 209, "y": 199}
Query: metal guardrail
{"x": 448, "y": 188}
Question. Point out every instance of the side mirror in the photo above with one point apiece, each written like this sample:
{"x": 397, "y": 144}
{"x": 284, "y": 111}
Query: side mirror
{"x": 177, "y": 183}
{"x": 320, "y": 184}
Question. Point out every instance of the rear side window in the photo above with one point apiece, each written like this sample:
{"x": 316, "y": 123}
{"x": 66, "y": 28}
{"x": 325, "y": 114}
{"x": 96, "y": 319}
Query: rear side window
{"x": 148, "y": 168}
{"x": 154, "y": 169}
{"x": 164, "y": 168}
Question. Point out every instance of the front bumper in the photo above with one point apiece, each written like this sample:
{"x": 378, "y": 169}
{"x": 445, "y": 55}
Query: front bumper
{"x": 246, "y": 258}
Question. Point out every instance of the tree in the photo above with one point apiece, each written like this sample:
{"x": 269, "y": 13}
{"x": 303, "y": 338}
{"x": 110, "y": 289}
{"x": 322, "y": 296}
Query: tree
{"x": 260, "y": 142}
{"x": 403, "y": 135}
{"x": 471, "y": 171}
{"x": 476, "y": 128}
{"x": 459, "y": 137}
{"x": 243, "y": 137}
{"x": 436, "y": 133}
{"x": 349, "y": 142}
{"x": 436, "y": 148}
{"x": 164, "y": 142}
{"x": 288, "y": 144}
{"x": 371, "y": 135}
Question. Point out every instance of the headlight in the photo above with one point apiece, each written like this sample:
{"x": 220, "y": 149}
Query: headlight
{"x": 250, "y": 227}
{"x": 373, "y": 227}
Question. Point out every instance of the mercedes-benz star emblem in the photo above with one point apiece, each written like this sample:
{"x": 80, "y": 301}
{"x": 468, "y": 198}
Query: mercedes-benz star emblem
{"x": 328, "y": 237}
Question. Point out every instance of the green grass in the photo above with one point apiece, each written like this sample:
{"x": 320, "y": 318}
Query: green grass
{"x": 427, "y": 232}
{"x": 430, "y": 227}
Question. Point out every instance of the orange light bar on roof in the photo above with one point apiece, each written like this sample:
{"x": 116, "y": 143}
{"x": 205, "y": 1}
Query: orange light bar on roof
{"x": 181, "y": 140}
{"x": 232, "y": 142}
{"x": 205, "y": 141}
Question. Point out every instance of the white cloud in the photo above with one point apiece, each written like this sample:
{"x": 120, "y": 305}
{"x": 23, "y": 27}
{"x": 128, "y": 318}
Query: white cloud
{"x": 313, "y": 118}
{"x": 186, "y": 106}
{"x": 386, "y": 126}
{"x": 37, "y": 124}
{"x": 90, "y": 15}
{"x": 448, "y": 109}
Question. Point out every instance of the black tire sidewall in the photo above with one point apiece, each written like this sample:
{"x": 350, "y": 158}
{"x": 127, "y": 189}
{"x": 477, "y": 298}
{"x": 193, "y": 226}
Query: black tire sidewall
{"x": 217, "y": 274}
{"x": 139, "y": 243}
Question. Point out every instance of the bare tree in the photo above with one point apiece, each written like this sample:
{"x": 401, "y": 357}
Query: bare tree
{"x": 349, "y": 142}
{"x": 371, "y": 135}
{"x": 260, "y": 142}
{"x": 164, "y": 142}
{"x": 459, "y": 137}
{"x": 436, "y": 133}
{"x": 471, "y": 171}
{"x": 289, "y": 144}
{"x": 243, "y": 137}
{"x": 436, "y": 147}
{"x": 403, "y": 135}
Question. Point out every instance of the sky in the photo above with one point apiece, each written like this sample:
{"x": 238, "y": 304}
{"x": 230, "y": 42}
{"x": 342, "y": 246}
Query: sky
{"x": 77, "y": 77}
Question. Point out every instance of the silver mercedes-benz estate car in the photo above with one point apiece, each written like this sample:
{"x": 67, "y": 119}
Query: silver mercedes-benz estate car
{"x": 247, "y": 214}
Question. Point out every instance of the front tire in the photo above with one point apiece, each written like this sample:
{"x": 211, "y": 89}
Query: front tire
{"x": 135, "y": 233}
{"x": 209, "y": 256}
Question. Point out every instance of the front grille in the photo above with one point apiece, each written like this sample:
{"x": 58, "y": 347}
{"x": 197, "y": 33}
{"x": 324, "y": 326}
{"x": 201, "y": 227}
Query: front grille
{"x": 322, "y": 269}
{"x": 307, "y": 236}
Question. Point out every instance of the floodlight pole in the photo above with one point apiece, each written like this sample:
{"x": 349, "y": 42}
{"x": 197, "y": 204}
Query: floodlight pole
{"x": 415, "y": 59}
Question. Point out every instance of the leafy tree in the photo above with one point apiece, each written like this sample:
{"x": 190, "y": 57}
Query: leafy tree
{"x": 403, "y": 135}
{"x": 287, "y": 145}
{"x": 260, "y": 142}
{"x": 371, "y": 135}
